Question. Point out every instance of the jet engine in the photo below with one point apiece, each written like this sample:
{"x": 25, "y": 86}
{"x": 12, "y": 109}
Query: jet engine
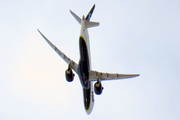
{"x": 69, "y": 75}
{"x": 98, "y": 88}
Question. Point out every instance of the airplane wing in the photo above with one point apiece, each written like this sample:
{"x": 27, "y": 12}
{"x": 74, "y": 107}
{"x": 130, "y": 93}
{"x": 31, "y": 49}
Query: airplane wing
{"x": 94, "y": 75}
{"x": 70, "y": 62}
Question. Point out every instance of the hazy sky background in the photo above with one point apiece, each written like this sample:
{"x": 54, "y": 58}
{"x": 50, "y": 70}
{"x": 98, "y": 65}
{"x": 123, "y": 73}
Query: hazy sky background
{"x": 134, "y": 36}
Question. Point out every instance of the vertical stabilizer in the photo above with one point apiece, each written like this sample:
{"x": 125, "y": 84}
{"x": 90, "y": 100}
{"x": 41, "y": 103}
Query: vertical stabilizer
{"x": 88, "y": 17}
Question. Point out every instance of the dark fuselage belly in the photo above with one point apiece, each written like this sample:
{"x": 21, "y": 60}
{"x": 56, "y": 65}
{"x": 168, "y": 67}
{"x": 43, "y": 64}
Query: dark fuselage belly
{"x": 83, "y": 73}
{"x": 83, "y": 66}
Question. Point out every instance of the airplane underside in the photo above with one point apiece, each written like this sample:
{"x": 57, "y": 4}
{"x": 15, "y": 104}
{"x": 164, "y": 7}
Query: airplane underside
{"x": 83, "y": 74}
{"x": 87, "y": 98}
{"x": 83, "y": 68}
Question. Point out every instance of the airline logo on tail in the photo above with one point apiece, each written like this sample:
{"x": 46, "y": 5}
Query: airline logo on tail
{"x": 88, "y": 17}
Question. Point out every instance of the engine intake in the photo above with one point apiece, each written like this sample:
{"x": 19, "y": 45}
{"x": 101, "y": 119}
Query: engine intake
{"x": 98, "y": 88}
{"x": 69, "y": 75}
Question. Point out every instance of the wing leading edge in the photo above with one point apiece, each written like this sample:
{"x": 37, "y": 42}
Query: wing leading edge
{"x": 70, "y": 62}
{"x": 94, "y": 75}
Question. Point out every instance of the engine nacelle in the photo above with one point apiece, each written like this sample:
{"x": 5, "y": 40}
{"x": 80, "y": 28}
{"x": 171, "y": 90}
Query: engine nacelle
{"x": 98, "y": 88}
{"x": 69, "y": 75}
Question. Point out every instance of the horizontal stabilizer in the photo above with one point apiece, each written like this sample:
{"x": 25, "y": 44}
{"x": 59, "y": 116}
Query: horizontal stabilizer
{"x": 94, "y": 75}
{"x": 76, "y": 17}
{"x": 91, "y": 24}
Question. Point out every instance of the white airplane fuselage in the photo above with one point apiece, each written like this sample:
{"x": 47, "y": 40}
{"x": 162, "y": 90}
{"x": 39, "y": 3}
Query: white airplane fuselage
{"x": 84, "y": 66}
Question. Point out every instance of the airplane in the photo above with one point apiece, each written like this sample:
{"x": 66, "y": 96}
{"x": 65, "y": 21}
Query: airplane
{"x": 83, "y": 69}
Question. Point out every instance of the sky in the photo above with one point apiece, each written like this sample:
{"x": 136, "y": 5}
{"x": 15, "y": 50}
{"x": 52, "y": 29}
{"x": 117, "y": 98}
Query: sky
{"x": 134, "y": 36}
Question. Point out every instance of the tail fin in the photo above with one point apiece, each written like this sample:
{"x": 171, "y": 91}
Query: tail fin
{"x": 88, "y": 17}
